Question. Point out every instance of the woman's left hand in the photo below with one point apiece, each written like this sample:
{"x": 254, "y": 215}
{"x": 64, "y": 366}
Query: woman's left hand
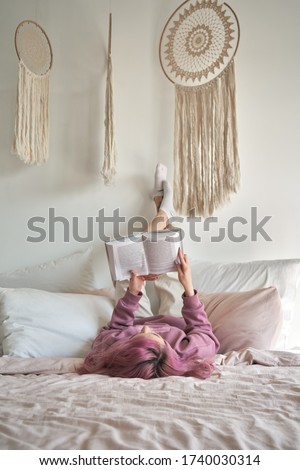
{"x": 185, "y": 273}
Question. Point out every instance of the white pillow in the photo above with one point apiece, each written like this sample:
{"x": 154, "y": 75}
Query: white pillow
{"x": 236, "y": 277}
{"x": 35, "y": 323}
{"x": 66, "y": 274}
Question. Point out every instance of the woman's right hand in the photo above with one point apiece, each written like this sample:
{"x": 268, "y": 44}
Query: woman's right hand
{"x": 136, "y": 282}
{"x": 185, "y": 274}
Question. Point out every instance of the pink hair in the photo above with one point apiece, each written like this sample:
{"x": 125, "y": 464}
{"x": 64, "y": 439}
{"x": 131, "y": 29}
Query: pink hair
{"x": 143, "y": 358}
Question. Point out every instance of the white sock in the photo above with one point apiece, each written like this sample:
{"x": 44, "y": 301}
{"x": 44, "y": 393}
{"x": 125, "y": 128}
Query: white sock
{"x": 159, "y": 177}
{"x": 167, "y": 202}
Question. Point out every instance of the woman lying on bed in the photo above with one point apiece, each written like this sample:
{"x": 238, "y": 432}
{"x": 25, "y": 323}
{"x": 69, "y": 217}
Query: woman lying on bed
{"x": 161, "y": 345}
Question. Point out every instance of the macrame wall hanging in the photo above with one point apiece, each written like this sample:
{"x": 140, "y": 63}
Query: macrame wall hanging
{"x": 31, "y": 137}
{"x": 109, "y": 164}
{"x": 197, "y": 50}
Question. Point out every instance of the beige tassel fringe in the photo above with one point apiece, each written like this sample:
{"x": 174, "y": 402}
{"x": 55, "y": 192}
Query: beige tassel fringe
{"x": 31, "y": 140}
{"x": 206, "y": 161}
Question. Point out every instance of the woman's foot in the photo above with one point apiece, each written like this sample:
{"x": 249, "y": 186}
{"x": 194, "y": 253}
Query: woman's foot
{"x": 158, "y": 191}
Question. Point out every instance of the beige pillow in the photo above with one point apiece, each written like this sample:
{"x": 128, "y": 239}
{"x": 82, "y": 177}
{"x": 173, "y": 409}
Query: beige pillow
{"x": 245, "y": 319}
{"x": 169, "y": 291}
{"x": 284, "y": 274}
{"x": 239, "y": 319}
{"x": 144, "y": 309}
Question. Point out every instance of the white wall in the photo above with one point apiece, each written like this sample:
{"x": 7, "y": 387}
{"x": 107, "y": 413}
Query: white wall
{"x": 268, "y": 100}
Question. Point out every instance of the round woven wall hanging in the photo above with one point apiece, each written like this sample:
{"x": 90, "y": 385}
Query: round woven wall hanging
{"x": 33, "y": 47}
{"x": 198, "y": 42}
{"x": 35, "y": 56}
{"x": 196, "y": 51}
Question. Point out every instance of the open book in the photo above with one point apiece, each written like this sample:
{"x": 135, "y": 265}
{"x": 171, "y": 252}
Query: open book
{"x": 144, "y": 253}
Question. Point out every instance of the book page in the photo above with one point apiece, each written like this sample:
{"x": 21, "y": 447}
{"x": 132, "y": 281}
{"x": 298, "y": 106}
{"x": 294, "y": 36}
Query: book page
{"x": 111, "y": 261}
{"x": 161, "y": 249}
{"x": 129, "y": 256}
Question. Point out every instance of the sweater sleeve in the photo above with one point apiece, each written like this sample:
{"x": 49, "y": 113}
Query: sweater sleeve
{"x": 123, "y": 314}
{"x": 197, "y": 322}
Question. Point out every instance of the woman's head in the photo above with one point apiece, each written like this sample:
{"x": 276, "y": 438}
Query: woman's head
{"x": 144, "y": 357}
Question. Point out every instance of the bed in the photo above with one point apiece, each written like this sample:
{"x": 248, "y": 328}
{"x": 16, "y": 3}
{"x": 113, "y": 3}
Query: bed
{"x": 252, "y": 400}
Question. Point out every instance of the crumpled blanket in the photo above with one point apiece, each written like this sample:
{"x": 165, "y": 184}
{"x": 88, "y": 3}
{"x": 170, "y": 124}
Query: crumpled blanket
{"x": 10, "y": 365}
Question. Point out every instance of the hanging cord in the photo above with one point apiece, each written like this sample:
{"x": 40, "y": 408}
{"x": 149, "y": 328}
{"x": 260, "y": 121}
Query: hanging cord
{"x": 36, "y": 11}
{"x": 109, "y": 165}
